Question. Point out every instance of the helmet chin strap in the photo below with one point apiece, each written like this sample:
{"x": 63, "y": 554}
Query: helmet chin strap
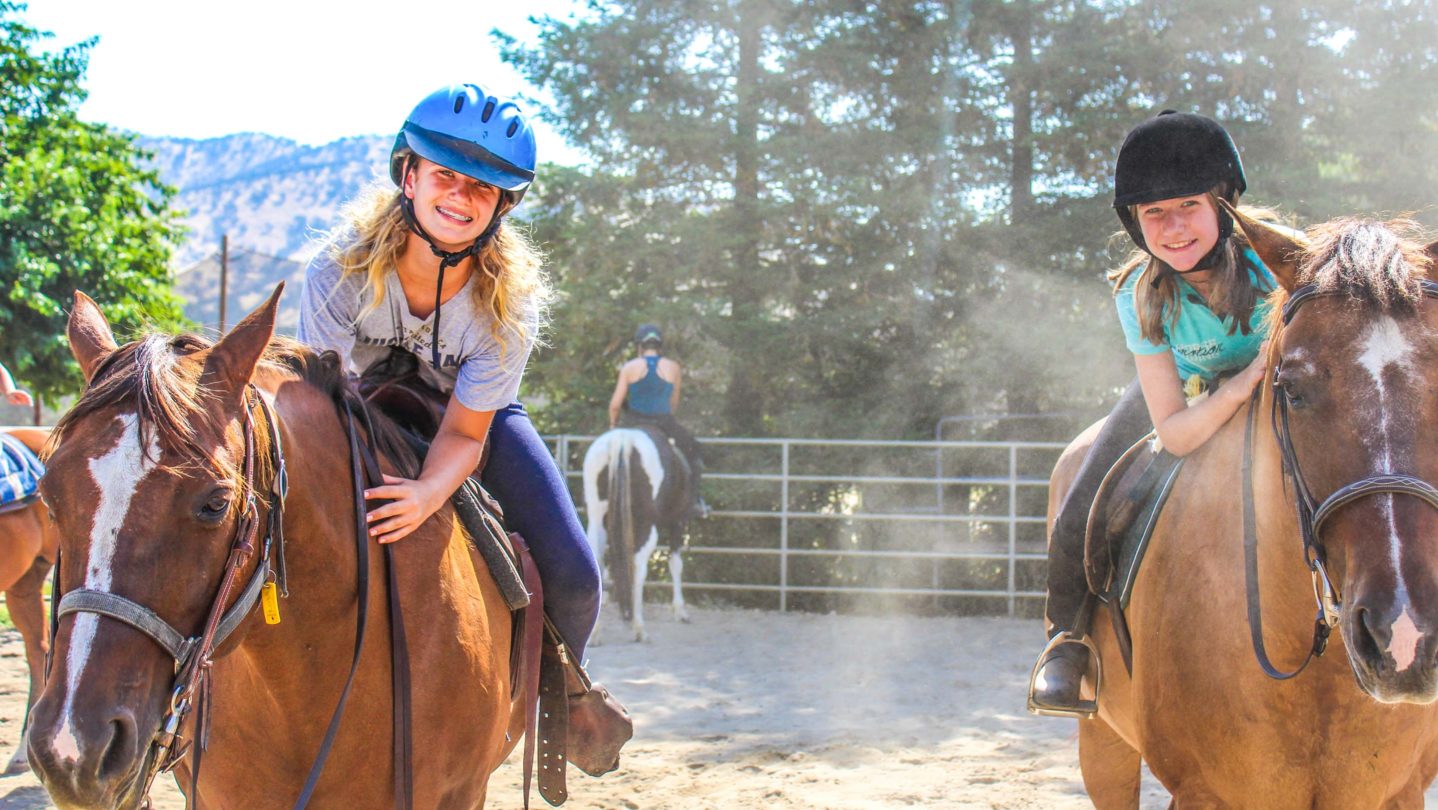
{"x": 447, "y": 259}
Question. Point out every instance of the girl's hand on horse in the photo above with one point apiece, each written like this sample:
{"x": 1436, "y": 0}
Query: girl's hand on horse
{"x": 1253, "y": 374}
{"x": 410, "y": 503}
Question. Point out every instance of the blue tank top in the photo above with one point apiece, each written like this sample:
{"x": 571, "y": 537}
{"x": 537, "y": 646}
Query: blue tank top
{"x": 651, "y": 393}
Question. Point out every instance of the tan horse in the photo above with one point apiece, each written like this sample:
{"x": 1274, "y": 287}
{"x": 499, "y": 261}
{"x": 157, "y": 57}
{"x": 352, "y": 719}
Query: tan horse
{"x": 27, "y": 547}
{"x": 147, "y": 485}
{"x": 1357, "y": 368}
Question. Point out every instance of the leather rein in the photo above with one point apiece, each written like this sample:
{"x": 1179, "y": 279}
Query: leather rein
{"x": 194, "y": 655}
{"x": 1312, "y": 514}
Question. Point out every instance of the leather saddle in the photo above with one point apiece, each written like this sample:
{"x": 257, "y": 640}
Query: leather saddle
{"x": 1120, "y": 525}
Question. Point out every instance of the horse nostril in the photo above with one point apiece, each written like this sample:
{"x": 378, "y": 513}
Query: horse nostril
{"x": 1365, "y": 641}
{"x": 119, "y": 756}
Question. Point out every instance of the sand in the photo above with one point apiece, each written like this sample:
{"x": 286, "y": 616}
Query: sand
{"x": 751, "y": 709}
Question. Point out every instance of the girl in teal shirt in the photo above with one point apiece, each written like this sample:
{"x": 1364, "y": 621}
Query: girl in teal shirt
{"x": 1192, "y": 305}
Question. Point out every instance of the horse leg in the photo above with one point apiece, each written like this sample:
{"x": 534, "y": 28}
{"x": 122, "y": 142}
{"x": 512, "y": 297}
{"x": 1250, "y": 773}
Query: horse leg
{"x": 1111, "y": 767}
{"x": 27, "y": 611}
{"x": 596, "y": 511}
{"x": 676, "y": 573}
{"x": 641, "y": 571}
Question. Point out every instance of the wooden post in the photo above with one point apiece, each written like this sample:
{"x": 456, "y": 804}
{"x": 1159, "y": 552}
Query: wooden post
{"x": 224, "y": 277}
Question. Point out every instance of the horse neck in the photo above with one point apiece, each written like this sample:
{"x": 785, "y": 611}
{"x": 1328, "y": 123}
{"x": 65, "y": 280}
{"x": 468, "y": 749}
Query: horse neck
{"x": 1283, "y": 573}
{"x": 318, "y": 616}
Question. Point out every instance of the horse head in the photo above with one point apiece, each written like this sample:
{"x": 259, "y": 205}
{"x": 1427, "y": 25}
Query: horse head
{"x": 1354, "y": 397}
{"x": 147, "y": 484}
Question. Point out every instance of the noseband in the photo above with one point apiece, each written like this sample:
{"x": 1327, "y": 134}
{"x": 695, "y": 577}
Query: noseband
{"x": 193, "y": 655}
{"x": 1312, "y": 514}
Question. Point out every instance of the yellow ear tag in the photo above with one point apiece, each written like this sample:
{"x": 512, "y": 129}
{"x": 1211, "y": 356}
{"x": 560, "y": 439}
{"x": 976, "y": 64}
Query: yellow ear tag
{"x": 270, "y": 603}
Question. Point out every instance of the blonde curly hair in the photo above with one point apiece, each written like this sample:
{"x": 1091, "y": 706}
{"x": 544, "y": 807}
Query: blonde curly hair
{"x": 509, "y": 270}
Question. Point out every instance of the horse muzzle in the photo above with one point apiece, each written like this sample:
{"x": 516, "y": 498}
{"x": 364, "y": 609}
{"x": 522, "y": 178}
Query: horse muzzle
{"x": 1393, "y": 650}
{"x": 87, "y": 763}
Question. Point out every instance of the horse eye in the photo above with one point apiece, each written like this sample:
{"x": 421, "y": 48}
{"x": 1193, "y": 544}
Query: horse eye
{"x": 214, "y": 509}
{"x": 1290, "y": 394}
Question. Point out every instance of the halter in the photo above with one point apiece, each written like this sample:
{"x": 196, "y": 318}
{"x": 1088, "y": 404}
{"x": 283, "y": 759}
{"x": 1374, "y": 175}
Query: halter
{"x": 1312, "y": 515}
{"x": 194, "y": 655}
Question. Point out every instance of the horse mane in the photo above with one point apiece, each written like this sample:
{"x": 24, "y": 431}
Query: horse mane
{"x": 170, "y": 400}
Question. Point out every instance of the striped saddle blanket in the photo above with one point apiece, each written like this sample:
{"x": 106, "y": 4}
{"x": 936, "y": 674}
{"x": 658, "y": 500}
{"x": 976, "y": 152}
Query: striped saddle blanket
{"x": 20, "y": 472}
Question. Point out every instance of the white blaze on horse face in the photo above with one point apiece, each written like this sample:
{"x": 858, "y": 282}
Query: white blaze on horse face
{"x": 117, "y": 475}
{"x": 1384, "y": 348}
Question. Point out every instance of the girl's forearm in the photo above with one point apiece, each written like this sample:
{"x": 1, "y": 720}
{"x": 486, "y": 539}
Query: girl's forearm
{"x": 1187, "y": 430}
{"x": 452, "y": 458}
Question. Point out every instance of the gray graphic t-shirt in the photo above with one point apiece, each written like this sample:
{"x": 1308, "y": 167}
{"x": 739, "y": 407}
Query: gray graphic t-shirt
{"x": 471, "y": 363}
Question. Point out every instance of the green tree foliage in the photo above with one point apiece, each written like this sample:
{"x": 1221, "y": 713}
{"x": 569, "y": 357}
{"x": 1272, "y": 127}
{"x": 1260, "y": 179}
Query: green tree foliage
{"x": 77, "y": 211}
{"x": 858, "y": 218}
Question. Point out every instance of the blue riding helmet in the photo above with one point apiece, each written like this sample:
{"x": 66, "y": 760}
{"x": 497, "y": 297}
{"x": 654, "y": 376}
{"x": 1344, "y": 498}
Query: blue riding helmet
{"x": 466, "y": 128}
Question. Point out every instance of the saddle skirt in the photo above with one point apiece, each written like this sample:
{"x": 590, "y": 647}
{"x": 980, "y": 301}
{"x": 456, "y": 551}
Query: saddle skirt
{"x": 1120, "y": 524}
{"x": 20, "y": 472}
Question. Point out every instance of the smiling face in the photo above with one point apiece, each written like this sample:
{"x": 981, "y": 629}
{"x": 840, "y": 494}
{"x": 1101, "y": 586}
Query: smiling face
{"x": 453, "y": 208}
{"x": 1179, "y": 231}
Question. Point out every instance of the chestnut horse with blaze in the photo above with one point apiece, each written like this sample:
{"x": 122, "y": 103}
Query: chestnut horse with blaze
{"x": 1319, "y": 502}
{"x": 148, "y": 484}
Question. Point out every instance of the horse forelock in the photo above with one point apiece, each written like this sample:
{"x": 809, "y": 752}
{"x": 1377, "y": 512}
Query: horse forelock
{"x": 1380, "y": 263}
{"x": 151, "y": 378}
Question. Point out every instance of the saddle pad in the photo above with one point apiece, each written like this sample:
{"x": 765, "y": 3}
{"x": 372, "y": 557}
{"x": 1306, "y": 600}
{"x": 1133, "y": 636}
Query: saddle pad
{"x": 1137, "y": 501}
{"x": 20, "y": 471}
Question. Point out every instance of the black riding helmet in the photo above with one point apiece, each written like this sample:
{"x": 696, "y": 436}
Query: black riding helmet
{"x": 1171, "y": 155}
{"x": 648, "y": 334}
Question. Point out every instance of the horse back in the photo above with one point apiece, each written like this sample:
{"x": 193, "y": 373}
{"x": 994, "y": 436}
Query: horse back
{"x": 33, "y": 438}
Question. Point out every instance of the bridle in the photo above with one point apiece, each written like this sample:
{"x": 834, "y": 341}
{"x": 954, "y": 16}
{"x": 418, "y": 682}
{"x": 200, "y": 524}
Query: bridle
{"x": 194, "y": 655}
{"x": 1312, "y": 514}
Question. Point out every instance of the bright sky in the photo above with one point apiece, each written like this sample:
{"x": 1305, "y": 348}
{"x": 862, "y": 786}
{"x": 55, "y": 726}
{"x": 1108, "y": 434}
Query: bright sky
{"x": 308, "y": 70}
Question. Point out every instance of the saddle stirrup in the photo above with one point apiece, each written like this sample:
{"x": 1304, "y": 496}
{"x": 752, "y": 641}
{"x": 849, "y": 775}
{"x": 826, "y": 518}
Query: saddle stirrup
{"x": 1084, "y": 709}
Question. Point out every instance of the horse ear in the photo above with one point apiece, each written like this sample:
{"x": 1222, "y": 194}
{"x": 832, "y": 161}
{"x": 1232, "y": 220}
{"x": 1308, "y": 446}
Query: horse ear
{"x": 230, "y": 363}
{"x": 1279, "y": 249}
{"x": 90, "y": 337}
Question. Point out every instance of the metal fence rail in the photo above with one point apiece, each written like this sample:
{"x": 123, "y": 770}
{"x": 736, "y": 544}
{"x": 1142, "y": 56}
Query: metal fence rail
{"x": 1001, "y": 522}
{"x": 1014, "y": 478}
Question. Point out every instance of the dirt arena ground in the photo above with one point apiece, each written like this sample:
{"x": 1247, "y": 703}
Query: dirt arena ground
{"x": 749, "y": 709}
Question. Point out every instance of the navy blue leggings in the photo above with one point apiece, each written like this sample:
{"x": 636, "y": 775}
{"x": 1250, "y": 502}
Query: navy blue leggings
{"x": 522, "y": 474}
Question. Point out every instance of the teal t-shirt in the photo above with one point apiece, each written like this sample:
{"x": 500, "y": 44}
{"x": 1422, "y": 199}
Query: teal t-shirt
{"x": 1199, "y": 339}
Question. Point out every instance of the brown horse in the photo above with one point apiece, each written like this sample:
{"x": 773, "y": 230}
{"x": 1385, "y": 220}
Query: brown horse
{"x": 27, "y": 548}
{"x": 148, "y": 483}
{"x": 1341, "y": 450}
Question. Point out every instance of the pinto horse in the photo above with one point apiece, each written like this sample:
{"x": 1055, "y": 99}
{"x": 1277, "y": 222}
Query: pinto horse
{"x": 27, "y": 548}
{"x": 635, "y": 494}
{"x": 1315, "y": 500}
{"x": 161, "y": 469}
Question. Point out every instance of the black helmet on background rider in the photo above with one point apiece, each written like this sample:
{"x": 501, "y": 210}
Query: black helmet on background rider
{"x": 649, "y": 335}
{"x": 1172, "y": 155}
